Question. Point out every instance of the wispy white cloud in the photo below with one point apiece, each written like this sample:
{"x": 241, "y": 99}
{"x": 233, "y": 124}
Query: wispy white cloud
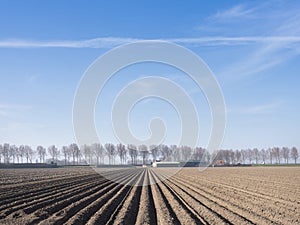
{"x": 235, "y": 12}
{"x": 33, "y": 78}
{"x": 103, "y": 42}
{"x": 238, "y": 40}
{"x": 8, "y": 109}
{"x": 257, "y": 109}
{"x": 272, "y": 32}
{"x": 279, "y": 29}
{"x": 14, "y": 126}
{"x": 115, "y": 41}
{"x": 226, "y": 20}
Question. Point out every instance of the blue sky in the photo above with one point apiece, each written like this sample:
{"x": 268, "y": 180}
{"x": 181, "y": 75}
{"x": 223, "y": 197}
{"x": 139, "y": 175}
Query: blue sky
{"x": 252, "y": 48}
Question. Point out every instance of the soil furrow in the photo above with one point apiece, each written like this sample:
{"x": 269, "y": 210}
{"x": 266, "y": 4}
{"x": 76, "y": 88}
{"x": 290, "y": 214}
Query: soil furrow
{"x": 34, "y": 198}
{"x": 66, "y": 208}
{"x": 231, "y": 202}
{"x": 165, "y": 213}
{"x": 107, "y": 211}
{"x": 128, "y": 213}
{"x": 183, "y": 212}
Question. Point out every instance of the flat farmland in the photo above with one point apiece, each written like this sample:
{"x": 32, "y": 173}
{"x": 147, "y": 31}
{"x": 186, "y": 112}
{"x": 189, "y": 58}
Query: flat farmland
{"x": 252, "y": 195}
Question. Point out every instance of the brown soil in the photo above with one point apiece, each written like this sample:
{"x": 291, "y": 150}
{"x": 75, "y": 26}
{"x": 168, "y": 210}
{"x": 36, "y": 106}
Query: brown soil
{"x": 214, "y": 196}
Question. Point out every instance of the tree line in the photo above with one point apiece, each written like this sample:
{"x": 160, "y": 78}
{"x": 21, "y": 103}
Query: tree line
{"x": 271, "y": 155}
{"x": 109, "y": 153}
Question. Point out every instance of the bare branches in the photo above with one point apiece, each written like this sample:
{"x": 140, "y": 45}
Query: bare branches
{"x": 97, "y": 154}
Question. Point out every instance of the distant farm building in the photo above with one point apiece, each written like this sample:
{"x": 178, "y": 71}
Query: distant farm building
{"x": 219, "y": 163}
{"x": 193, "y": 163}
{"x": 165, "y": 164}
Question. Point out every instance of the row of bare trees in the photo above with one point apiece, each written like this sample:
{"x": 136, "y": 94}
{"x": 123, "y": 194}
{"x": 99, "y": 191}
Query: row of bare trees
{"x": 131, "y": 154}
{"x": 271, "y": 155}
{"x": 12, "y": 153}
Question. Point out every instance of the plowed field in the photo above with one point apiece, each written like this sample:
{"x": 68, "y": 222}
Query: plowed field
{"x": 268, "y": 195}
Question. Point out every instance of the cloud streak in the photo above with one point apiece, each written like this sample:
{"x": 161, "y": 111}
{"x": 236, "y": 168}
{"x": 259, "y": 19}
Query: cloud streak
{"x": 257, "y": 109}
{"x": 278, "y": 25}
{"x": 278, "y": 40}
{"x": 104, "y": 42}
{"x": 8, "y": 109}
{"x": 109, "y": 42}
{"x": 237, "y": 11}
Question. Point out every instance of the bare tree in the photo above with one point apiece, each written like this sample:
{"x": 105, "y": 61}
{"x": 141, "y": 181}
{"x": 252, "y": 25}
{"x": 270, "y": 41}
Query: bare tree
{"x": 98, "y": 151}
{"x": 271, "y": 154}
{"x": 13, "y": 150}
{"x": 1, "y": 152}
{"x": 75, "y": 152}
{"x": 244, "y": 155}
{"x": 85, "y": 150}
{"x": 57, "y": 153}
{"x": 53, "y": 152}
{"x": 294, "y": 154}
{"x": 186, "y": 152}
{"x": 250, "y": 155}
{"x": 226, "y": 154}
{"x": 132, "y": 153}
{"x": 198, "y": 153}
{"x": 214, "y": 156}
{"x": 121, "y": 149}
{"x": 91, "y": 155}
{"x": 238, "y": 155}
{"x": 285, "y": 152}
{"x": 28, "y": 153}
{"x": 88, "y": 153}
{"x": 264, "y": 155}
{"x": 72, "y": 149}
{"x": 169, "y": 152}
{"x": 144, "y": 152}
{"x": 176, "y": 153}
{"x": 11, "y": 154}
{"x": 232, "y": 156}
{"x": 276, "y": 152}
{"x": 111, "y": 151}
{"x": 22, "y": 152}
{"x": 66, "y": 152}
{"x": 154, "y": 150}
{"x": 41, "y": 151}
{"x": 165, "y": 152}
{"x": 18, "y": 154}
{"x": 6, "y": 157}
{"x": 256, "y": 155}
{"x": 174, "y": 150}
{"x": 218, "y": 155}
{"x": 125, "y": 155}
{"x": 207, "y": 157}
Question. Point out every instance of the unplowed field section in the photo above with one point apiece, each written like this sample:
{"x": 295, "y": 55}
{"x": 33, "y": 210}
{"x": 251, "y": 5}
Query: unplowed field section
{"x": 214, "y": 196}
